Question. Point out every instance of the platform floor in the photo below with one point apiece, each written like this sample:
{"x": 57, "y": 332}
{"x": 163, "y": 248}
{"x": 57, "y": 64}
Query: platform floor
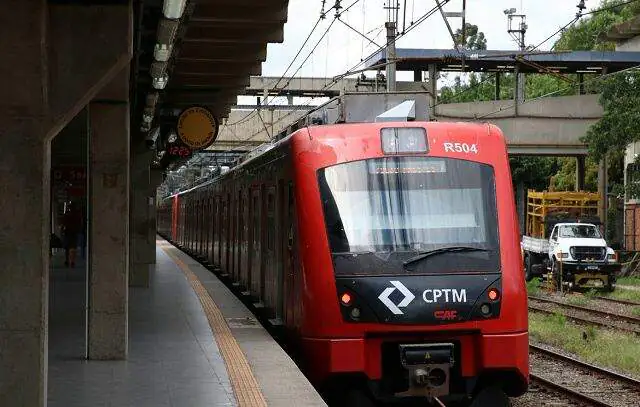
{"x": 174, "y": 357}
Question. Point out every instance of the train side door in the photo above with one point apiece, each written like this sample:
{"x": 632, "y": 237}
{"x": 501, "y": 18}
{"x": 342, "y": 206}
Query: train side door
{"x": 246, "y": 240}
{"x": 256, "y": 247}
{"x": 288, "y": 259}
{"x": 270, "y": 280}
{"x": 237, "y": 252}
{"x": 216, "y": 232}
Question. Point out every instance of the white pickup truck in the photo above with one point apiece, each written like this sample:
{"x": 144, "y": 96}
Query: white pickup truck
{"x": 576, "y": 253}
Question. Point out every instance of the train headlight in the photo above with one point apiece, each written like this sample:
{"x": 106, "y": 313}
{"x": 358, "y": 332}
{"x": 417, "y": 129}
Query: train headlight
{"x": 399, "y": 140}
{"x": 493, "y": 294}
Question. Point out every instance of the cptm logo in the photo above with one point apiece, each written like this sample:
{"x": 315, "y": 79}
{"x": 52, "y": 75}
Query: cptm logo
{"x": 408, "y": 297}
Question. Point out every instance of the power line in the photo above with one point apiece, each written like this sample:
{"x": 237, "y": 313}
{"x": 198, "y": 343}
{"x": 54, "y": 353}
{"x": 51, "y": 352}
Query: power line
{"x": 275, "y": 87}
{"x": 358, "y": 32}
{"x": 353, "y": 70}
{"x": 493, "y": 76}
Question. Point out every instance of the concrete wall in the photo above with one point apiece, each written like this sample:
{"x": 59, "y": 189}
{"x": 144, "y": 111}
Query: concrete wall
{"x": 632, "y": 44}
{"x": 552, "y": 125}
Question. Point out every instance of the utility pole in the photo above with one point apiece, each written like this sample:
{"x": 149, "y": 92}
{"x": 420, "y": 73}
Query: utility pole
{"x": 391, "y": 25}
{"x": 391, "y": 55}
{"x": 518, "y": 32}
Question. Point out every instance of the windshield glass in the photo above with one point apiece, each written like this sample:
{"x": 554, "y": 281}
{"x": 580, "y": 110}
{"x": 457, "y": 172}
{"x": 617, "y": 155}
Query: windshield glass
{"x": 580, "y": 231}
{"x": 410, "y": 204}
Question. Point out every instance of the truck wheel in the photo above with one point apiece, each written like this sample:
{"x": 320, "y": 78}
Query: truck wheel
{"x": 528, "y": 274}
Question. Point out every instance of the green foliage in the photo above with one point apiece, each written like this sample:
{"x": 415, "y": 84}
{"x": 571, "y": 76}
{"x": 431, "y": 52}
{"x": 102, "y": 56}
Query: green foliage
{"x": 620, "y": 97}
{"x": 587, "y": 34}
{"x": 603, "y": 347}
{"x": 565, "y": 178}
{"x": 533, "y": 171}
{"x": 533, "y": 286}
{"x": 578, "y": 300}
{"x": 618, "y": 127}
{"x": 474, "y": 38}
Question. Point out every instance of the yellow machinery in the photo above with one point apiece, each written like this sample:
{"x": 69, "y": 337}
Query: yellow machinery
{"x": 542, "y": 205}
{"x": 540, "y": 253}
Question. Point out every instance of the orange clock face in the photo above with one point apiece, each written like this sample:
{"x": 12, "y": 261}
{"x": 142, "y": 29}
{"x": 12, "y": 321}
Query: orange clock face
{"x": 197, "y": 128}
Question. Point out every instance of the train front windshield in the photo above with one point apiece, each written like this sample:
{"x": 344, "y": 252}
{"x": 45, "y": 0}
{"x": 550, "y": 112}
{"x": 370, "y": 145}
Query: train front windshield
{"x": 397, "y": 207}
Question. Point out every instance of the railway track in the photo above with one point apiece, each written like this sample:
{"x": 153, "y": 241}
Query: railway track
{"x": 585, "y": 315}
{"x": 581, "y": 381}
{"x": 617, "y": 301}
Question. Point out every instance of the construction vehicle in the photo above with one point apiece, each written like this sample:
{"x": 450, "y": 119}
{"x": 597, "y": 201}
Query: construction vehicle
{"x": 564, "y": 241}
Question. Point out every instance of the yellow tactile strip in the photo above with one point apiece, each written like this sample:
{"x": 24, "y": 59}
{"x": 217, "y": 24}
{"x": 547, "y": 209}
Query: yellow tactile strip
{"x": 245, "y": 386}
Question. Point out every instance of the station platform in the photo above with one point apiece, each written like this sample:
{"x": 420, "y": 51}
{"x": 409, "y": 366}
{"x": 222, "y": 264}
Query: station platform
{"x": 191, "y": 343}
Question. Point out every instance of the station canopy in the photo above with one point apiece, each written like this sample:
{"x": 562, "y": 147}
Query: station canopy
{"x": 587, "y": 62}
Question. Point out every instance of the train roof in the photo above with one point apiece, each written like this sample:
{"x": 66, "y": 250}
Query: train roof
{"x": 350, "y": 109}
{"x": 261, "y": 150}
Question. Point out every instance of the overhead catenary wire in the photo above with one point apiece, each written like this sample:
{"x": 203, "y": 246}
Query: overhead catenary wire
{"x": 275, "y": 88}
{"x": 530, "y": 51}
{"x": 354, "y": 69}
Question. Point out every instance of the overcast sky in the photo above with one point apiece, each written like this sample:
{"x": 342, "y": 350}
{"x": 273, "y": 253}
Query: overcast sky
{"x": 347, "y": 47}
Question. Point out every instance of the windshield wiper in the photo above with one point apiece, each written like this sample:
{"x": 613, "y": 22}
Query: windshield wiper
{"x": 441, "y": 250}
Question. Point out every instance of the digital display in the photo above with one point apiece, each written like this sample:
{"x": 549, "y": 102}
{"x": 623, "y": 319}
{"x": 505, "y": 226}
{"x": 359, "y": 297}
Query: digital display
{"x": 411, "y": 167}
{"x": 404, "y": 140}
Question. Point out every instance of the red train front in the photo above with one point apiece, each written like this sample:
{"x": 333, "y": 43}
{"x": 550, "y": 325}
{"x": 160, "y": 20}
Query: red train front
{"x": 412, "y": 273}
{"x": 404, "y": 276}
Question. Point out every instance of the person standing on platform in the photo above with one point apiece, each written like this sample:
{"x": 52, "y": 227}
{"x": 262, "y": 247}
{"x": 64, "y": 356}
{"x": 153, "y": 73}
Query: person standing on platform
{"x": 72, "y": 224}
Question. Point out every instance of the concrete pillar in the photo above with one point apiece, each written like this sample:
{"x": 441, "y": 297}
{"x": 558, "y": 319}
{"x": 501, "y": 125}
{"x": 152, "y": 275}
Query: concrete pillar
{"x": 497, "y": 96}
{"x": 141, "y": 244}
{"x": 417, "y": 76}
{"x": 602, "y": 190}
{"x": 433, "y": 87}
{"x": 580, "y": 172}
{"x": 518, "y": 90}
{"x": 54, "y": 59}
{"x": 24, "y": 263}
{"x": 109, "y": 230}
{"x": 581, "y": 84}
{"x": 24, "y": 207}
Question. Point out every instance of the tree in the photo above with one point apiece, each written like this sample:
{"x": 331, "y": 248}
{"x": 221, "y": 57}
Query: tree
{"x": 474, "y": 38}
{"x": 586, "y": 35}
{"x": 533, "y": 171}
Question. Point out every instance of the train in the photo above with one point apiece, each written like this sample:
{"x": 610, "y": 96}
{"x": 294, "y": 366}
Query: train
{"x": 387, "y": 252}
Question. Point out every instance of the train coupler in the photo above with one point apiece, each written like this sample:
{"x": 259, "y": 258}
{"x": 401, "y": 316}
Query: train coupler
{"x": 429, "y": 367}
